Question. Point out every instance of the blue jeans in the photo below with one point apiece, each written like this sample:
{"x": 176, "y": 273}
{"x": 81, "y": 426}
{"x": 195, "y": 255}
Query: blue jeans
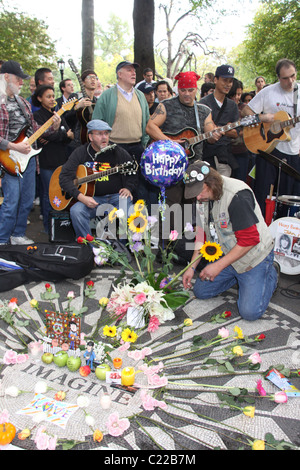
{"x": 256, "y": 287}
{"x": 19, "y": 194}
{"x": 81, "y": 214}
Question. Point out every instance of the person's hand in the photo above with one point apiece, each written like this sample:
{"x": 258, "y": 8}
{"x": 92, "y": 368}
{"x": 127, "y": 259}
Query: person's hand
{"x": 210, "y": 272}
{"x": 187, "y": 278}
{"x": 83, "y": 103}
{"x": 56, "y": 121}
{"x": 22, "y": 147}
{"x": 125, "y": 193}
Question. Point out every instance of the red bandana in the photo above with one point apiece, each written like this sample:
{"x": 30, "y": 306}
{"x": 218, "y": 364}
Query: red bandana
{"x": 187, "y": 79}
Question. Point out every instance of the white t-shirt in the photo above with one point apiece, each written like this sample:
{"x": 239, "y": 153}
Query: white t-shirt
{"x": 273, "y": 99}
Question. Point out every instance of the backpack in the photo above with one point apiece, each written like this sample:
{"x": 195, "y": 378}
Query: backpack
{"x": 20, "y": 264}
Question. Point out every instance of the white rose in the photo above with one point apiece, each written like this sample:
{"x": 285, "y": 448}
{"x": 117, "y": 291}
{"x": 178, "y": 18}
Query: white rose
{"x": 82, "y": 401}
{"x": 41, "y": 387}
{"x": 12, "y": 391}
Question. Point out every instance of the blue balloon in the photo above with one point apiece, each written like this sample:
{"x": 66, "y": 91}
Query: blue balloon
{"x": 164, "y": 163}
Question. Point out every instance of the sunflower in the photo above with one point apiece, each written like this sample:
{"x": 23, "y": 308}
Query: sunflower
{"x": 211, "y": 251}
{"x": 113, "y": 214}
{"x": 139, "y": 205}
{"x": 110, "y": 331}
{"x": 137, "y": 222}
{"x": 129, "y": 336}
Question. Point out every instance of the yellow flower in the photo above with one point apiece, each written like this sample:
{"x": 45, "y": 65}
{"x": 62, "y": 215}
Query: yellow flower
{"x": 103, "y": 301}
{"x": 188, "y": 322}
{"x": 258, "y": 445}
{"x": 211, "y": 251}
{"x": 24, "y": 434}
{"x": 239, "y": 332}
{"x": 34, "y": 303}
{"x": 139, "y": 205}
{"x": 137, "y": 222}
{"x": 98, "y": 435}
{"x": 249, "y": 411}
{"x": 113, "y": 214}
{"x": 129, "y": 336}
{"x": 60, "y": 396}
{"x": 110, "y": 331}
{"x": 237, "y": 350}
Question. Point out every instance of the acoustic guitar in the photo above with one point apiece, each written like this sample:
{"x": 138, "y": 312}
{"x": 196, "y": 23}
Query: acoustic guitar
{"x": 266, "y": 135}
{"x": 84, "y": 115}
{"x": 192, "y": 138}
{"x": 85, "y": 182}
{"x": 15, "y": 162}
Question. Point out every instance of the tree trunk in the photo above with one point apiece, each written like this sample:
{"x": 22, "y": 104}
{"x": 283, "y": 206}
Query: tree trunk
{"x": 87, "y": 18}
{"x": 143, "y": 25}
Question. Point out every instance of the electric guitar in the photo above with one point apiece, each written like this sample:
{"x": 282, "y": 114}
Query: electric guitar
{"x": 15, "y": 162}
{"x": 85, "y": 181}
{"x": 266, "y": 135}
{"x": 192, "y": 138}
{"x": 84, "y": 115}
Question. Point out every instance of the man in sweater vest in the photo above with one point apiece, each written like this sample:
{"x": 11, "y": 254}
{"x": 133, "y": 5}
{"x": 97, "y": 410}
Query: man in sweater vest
{"x": 126, "y": 110}
{"x": 231, "y": 217}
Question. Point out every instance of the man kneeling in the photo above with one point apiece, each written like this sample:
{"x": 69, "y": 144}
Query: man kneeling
{"x": 233, "y": 219}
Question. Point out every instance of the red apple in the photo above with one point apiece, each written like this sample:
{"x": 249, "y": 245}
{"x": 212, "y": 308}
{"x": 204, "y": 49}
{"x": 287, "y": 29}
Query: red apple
{"x": 84, "y": 371}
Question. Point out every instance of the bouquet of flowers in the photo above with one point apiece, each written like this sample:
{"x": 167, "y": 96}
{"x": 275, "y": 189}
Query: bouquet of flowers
{"x": 150, "y": 294}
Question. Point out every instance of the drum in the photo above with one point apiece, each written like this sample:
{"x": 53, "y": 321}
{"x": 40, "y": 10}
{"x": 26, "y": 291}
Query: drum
{"x": 292, "y": 203}
{"x": 286, "y": 234}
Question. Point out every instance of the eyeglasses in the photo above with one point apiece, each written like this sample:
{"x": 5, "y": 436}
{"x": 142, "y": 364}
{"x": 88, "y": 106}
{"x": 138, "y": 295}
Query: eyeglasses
{"x": 91, "y": 77}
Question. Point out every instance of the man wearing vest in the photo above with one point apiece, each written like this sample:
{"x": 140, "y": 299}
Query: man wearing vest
{"x": 126, "y": 111}
{"x": 232, "y": 218}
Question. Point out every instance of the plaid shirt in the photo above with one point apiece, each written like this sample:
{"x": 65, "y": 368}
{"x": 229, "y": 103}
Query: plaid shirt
{"x": 4, "y": 123}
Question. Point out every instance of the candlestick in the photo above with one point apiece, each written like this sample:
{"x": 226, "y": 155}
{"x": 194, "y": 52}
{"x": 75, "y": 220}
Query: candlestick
{"x": 128, "y": 376}
{"x": 117, "y": 362}
{"x": 105, "y": 401}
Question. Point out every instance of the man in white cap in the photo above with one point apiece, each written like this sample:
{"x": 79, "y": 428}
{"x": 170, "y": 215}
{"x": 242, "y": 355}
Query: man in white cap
{"x": 114, "y": 189}
{"x": 233, "y": 219}
{"x": 19, "y": 191}
{"x": 126, "y": 110}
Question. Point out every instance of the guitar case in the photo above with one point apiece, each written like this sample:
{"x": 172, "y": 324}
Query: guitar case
{"x": 21, "y": 264}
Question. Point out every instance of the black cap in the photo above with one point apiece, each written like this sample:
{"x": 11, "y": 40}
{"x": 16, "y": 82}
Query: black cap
{"x": 146, "y": 87}
{"x": 194, "y": 179}
{"x": 225, "y": 71}
{"x": 10, "y": 66}
{"x": 124, "y": 63}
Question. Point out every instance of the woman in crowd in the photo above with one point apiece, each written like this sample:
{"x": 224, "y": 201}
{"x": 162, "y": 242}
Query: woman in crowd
{"x": 53, "y": 153}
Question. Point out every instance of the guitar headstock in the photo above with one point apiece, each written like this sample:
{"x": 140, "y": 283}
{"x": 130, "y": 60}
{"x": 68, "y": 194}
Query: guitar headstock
{"x": 69, "y": 104}
{"x": 73, "y": 66}
{"x": 250, "y": 120}
{"x": 129, "y": 168}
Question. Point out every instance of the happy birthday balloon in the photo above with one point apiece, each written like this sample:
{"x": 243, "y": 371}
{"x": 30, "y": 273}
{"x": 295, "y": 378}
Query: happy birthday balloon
{"x": 164, "y": 163}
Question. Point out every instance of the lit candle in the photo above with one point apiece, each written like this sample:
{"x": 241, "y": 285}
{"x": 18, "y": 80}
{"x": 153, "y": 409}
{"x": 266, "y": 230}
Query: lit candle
{"x": 128, "y": 376}
{"x": 117, "y": 362}
{"x": 105, "y": 401}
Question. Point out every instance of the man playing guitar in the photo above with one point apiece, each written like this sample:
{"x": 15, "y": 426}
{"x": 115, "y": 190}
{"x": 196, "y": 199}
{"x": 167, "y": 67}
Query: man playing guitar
{"x": 114, "y": 190}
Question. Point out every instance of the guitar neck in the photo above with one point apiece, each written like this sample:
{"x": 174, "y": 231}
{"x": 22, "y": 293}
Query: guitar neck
{"x": 289, "y": 122}
{"x": 94, "y": 176}
{"x": 207, "y": 135}
{"x": 43, "y": 128}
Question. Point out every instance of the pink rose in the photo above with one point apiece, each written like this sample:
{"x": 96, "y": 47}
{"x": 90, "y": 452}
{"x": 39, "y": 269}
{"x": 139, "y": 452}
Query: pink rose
{"x": 21, "y": 358}
{"x": 10, "y": 357}
{"x": 280, "y": 397}
{"x": 173, "y": 235}
{"x": 140, "y": 298}
{"x": 255, "y": 358}
{"x": 260, "y": 389}
{"x": 223, "y": 332}
{"x": 117, "y": 426}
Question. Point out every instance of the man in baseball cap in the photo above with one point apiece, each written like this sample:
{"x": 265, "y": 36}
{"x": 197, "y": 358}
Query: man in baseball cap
{"x": 14, "y": 68}
{"x": 244, "y": 250}
{"x": 224, "y": 71}
{"x": 125, "y": 63}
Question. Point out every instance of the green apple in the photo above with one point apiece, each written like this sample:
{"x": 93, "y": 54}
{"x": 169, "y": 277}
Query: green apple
{"x": 60, "y": 358}
{"x": 73, "y": 363}
{"x": 101, "y": 371}
{"x": 47, "y": 358}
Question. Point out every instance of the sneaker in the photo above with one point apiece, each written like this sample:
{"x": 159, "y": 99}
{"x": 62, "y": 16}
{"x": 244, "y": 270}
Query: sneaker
{"x": 21, "y": 241}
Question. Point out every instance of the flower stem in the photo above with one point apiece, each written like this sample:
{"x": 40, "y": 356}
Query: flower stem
{"x": 183, "y": 271}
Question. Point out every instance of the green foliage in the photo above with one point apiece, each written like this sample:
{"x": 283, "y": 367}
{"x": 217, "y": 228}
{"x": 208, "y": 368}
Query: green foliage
{"x": 25, "y": 40}
{"x": 274, "y": 34}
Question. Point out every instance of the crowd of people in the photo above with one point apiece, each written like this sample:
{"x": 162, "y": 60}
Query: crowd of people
{"x": 106, "y": 128}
